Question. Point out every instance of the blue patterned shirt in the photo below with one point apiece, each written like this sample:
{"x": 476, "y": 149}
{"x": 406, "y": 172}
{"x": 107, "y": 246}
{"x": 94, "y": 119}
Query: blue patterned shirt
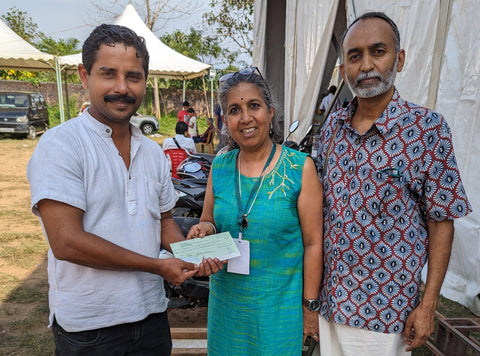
{"x": 380, "y": 189}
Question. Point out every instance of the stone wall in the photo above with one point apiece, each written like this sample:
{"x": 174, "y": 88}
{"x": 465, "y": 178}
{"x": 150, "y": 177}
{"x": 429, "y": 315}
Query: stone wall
{"x": 170, "y": 99}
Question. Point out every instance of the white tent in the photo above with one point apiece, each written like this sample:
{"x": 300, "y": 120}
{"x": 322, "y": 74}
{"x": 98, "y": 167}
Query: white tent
{"x": 164, "y": 61}
{"x": 16, "y": 53}
{"x": 296, "y": 45}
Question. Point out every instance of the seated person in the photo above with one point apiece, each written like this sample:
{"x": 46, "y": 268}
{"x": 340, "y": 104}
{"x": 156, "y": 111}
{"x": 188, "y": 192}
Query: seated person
{"x": 203, "y": 137}
{"x": 184, "y": 142}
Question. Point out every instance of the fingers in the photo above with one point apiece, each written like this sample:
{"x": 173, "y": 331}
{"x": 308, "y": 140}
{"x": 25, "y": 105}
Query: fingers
{"x": 199, "y": 230}
{"x": 210, "y": 266}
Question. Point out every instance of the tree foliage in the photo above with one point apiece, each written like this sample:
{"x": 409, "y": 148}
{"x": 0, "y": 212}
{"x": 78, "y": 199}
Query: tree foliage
{"x": 233, "y": 20}
{"x": 22, "y": 24}
{"x": 59, "y": 47}
{"x": 194, "y": 45}
{"x": 155, "y": 13}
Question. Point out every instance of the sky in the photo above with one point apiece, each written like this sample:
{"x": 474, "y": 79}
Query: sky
{"x": 69, "y": 18}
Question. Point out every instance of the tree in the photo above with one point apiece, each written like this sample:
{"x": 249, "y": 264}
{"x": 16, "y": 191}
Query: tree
{"x": 194, "y": 45}
{"x": 233, "y": 20}
{"x": 59, "y": 47}
{"x": 154, "y": 13}
{"x": 22, "y": 24}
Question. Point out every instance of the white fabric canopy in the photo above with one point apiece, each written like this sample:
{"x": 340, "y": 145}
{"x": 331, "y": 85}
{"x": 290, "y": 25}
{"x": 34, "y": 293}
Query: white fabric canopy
{"x": 164, "y": 61}
{"x": 18, "y": 54}
{"x": 442, "y": 43}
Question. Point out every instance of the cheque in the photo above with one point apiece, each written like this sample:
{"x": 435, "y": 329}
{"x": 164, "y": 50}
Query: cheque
{"x": 220, "y": 246}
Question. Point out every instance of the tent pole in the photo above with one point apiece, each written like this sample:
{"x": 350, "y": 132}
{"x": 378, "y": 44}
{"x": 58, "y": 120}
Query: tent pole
{"x": 58, "y": 75}
{"x": 156, "y": 101}
{"x": 183, "y": 90}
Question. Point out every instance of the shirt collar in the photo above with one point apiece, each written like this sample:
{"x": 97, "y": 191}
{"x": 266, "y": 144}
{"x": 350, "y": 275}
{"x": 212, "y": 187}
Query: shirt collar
{"x": 386, "y": 120}
{"x": 105, "y": 130}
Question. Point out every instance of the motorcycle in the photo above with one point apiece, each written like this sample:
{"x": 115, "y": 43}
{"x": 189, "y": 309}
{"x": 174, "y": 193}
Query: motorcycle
{"x": 195, "y": 166}
{"x": 191, "y": 193}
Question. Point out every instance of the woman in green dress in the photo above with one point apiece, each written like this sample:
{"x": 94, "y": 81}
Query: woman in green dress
{"x": 270, "y": 199}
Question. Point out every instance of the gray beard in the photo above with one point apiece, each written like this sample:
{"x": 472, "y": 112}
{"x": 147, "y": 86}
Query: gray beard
{"x": 385, "y": 83}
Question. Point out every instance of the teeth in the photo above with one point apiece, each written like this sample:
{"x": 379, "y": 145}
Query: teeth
{"x": 249, "y": 130}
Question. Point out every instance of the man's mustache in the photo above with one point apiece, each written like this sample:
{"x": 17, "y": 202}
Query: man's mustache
{"x": 363, "y": 76}
{"x": 123, "y": 98}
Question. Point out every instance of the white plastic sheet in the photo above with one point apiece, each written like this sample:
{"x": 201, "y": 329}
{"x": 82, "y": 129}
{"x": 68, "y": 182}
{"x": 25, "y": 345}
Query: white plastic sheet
{"x": 442, "y": 70}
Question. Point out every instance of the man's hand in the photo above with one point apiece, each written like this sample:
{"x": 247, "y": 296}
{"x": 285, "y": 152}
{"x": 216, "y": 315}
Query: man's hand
{"x": 177, "y": 271}
{"x": 419, "y": 327}
{"x": 310, "y": 324}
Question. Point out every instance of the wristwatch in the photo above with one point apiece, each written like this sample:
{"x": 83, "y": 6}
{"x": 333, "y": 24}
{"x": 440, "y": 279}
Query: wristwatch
{"x": 311, "y": 304}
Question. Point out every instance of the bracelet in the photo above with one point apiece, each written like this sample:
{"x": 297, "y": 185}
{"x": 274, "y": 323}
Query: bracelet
{"x": 212, "y": 225}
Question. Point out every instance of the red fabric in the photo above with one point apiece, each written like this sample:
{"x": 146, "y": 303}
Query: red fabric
{"x": 181, "y": 114}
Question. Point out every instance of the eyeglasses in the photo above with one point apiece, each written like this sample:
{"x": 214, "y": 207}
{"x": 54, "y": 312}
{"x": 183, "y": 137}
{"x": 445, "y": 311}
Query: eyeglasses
{"x": 245, "y": 71}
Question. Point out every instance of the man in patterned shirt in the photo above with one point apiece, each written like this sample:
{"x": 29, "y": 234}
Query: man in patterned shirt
{"x": 391, "y": 191}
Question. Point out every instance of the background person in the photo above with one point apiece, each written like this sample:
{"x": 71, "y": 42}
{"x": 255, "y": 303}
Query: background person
{"x": 184, "y": 142}
{"x": 391, "y": 191}
{"x": 327, "y": 100}
{"x": 192, "y": 123}
{"x": 183, "y": 114}
{"x": 203, "y": 137}
{"x": 274, "y": 206}
{"x": 104, "y": 205}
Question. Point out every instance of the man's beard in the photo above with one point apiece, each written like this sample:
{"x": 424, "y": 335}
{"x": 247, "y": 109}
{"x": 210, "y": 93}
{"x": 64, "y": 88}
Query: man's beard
{"x": 386, "y": 81}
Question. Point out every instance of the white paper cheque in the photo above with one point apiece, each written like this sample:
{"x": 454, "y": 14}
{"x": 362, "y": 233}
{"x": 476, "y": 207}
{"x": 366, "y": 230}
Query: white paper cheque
{"x": 220, "y": 246}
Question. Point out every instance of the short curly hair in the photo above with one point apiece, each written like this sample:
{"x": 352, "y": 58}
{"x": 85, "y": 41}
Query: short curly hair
{"x": 109, "y": 35}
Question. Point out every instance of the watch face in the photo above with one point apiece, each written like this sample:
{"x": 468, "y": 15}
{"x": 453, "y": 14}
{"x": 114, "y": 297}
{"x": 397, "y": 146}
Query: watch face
{"x": 314, "y": 305}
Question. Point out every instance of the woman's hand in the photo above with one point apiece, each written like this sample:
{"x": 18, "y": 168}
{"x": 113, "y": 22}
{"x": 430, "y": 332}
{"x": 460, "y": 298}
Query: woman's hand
{"x": 202, "y": 229}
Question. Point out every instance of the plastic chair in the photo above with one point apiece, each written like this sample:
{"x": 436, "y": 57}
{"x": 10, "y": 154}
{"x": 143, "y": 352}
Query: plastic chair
{"x": 208, "y": 143}
{"x": 175, "y": 156}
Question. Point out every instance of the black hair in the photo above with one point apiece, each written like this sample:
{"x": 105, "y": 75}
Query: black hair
{"x": 109, "y": 35}
{"x": 374, "y": 15}
{"x": 186, "y": 103}
{"x": 332, "y": 89}
{"x": 181, "y": 127}
{"x": 190, "y": 110}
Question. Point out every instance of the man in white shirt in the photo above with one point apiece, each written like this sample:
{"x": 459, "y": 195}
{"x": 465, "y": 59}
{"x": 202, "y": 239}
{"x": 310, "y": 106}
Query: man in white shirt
{"x": 184, "y": 142}
{"x": 326, "y": 101}
{"x": 104, "y": 204}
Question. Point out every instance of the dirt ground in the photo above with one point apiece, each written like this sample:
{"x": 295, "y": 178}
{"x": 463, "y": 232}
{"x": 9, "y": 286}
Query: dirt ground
{"x": 23, "y": 250}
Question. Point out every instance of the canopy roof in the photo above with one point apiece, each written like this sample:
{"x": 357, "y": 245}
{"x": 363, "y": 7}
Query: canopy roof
{"x": 164, "y": 61}
{"x": 16, "y": 53}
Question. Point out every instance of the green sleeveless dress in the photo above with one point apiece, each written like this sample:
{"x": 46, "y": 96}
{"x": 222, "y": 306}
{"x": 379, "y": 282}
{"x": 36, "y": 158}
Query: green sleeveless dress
{"x": 260, "y": 313}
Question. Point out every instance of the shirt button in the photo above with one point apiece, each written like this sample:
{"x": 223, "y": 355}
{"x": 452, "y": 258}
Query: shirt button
{"x": 344, "y": 199}
{"x": 334, "y": 278}
{"x": 337, "y": 229}
{"x": 107, "y": 131}
{"x": 357, "y": 141}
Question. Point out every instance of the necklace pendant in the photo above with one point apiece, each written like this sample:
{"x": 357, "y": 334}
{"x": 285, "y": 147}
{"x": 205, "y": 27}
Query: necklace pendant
{"x": 244, "y": 222}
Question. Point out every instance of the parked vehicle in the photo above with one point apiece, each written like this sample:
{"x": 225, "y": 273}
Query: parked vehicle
{"x": 196, "y": 165}
{"x": 23, "y": 113}
{"x": 147, "y": 123}
{"x": 191, "y": 194}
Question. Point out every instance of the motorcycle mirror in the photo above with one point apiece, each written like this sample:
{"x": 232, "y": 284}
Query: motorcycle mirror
{"x": 192, "y": 167}
{"x": 293, "y": 126}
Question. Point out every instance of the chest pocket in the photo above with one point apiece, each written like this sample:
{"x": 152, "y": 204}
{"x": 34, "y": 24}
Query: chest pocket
{"x": 153, "y": 190}
{"x": 384, "y": 193}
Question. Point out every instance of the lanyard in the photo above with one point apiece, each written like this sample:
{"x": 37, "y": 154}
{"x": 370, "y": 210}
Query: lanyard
{"x": 242, "y": 212}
